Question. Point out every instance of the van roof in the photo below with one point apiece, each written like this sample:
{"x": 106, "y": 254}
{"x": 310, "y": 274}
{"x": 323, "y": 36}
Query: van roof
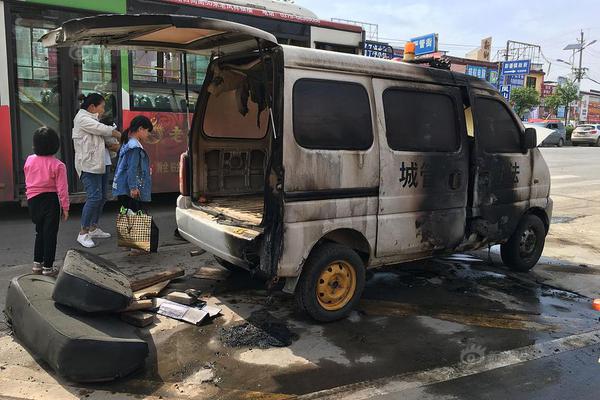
{"x": 302, "y": 57}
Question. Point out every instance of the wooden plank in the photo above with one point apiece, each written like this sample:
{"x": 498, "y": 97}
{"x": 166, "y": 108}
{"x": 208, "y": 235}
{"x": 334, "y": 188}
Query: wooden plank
{"x": 180, "y": 297}
{"x": 152, "y": 291}
{"x": 212, "y": 273}
{"x": 140, "y": 319}
{"x": 139, "y": 305}
{"x": 157, "y": 278}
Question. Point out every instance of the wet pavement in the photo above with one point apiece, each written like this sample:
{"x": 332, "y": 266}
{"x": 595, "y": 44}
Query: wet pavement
{"x": 421, "y": 316}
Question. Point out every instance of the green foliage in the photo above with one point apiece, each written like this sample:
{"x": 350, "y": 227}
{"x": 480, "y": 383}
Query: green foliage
{"x": 563, "y": 96}
{"x": 553, "y": 102}
{"x": 524, "y": 99}
{"x": 569, "y": 92}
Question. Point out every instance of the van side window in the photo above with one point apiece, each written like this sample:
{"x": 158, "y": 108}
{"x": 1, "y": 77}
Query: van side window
{"x": 332, "y": 115}
{"x": 420, "y": 121}
{"x": 497, "y": 131}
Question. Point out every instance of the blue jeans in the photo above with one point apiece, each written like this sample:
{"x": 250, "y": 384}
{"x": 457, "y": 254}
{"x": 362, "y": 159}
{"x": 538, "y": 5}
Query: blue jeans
{"x": 96, "y": 190}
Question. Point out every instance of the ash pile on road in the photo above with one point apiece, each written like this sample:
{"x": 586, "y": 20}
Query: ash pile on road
{"x": 261, "y": 331}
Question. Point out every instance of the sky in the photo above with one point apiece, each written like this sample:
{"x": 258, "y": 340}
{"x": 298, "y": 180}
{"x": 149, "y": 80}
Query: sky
{"x": 461, "y": 24}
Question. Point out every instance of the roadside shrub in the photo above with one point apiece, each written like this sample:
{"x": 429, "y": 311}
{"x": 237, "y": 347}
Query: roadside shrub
{"x": 570, "y": 130}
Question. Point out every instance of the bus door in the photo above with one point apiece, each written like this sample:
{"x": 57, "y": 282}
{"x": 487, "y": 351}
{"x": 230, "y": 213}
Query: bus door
{"x": 48, "y": 81}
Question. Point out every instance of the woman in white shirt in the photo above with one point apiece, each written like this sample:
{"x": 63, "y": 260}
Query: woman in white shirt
{"x": 92, "y": 140}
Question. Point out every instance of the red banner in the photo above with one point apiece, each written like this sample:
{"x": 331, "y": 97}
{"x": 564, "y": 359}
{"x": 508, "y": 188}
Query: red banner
{"x": 547, "y": 90}
{"x": 233, "y": 8}
{"x": 6, "y": 163}
{"x": 164, "y": 146}
{"x": 594, "y": 111}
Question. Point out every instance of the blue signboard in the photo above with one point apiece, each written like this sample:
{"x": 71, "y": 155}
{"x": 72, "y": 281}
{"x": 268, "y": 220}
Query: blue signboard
{"x": 516, "y": 80}
{"x": 378, "y": 50}
{"x": 426, "y": 44}
{"x": 479, "y": 72}
{"x": 561, "y": 112}
{"x": 505, "y": 91}
{"x": 521, "y": 67}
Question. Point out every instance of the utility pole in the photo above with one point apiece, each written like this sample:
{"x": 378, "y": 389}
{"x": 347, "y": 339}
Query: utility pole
{"x": 580, "y": 70}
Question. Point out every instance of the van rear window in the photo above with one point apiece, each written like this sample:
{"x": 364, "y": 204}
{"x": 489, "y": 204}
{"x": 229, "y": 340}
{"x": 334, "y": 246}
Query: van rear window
{"x": 420, "y": 121}
{"x": 332, "y": 115}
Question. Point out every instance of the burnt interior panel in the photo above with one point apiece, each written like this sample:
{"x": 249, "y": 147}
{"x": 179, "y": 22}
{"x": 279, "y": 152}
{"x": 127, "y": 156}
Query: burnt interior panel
{"x": 235, "y": 171}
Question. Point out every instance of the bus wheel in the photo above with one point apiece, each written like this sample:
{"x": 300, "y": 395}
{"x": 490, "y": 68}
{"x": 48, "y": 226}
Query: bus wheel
{"x": 331, "y": 283}
{"x": 524, "y": 248}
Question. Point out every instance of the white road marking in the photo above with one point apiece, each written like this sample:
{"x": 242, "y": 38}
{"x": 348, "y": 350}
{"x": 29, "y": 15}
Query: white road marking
{"x": 560, "y": 177}
{"x": 399, "y": 383}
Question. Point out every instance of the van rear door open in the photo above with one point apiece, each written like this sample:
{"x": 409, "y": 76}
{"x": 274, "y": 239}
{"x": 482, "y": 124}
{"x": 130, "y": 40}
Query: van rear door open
{"x": 424, "y": 168}
{"x": 195, "y": 35}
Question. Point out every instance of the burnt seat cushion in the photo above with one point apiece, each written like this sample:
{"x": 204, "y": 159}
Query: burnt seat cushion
{"x": 80, "y": 347}
{"x": 90, "y": 283}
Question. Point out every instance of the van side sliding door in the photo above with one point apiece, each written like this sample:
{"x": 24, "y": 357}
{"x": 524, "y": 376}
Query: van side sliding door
{"x": 424, "y": 169}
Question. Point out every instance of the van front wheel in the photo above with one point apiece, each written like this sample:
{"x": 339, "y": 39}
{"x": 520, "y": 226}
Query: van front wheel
{"x": 524, "y": 248}
{"x": 331, "y": 283}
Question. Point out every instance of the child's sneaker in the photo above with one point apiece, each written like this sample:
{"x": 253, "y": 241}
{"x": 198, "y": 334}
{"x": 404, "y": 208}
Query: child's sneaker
{"x": 85, "y": 240}
{"x": 99, "y": 234}
{"x": 51, "y": 272}
{"x": 37, "y": 268}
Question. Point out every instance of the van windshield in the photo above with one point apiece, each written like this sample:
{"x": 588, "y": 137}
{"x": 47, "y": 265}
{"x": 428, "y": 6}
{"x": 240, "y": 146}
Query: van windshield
{"x": 237, "y": 105}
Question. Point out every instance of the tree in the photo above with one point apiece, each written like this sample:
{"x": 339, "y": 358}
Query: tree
{"x": 524, "y": 99}
{"x": 553, "y": 102}
{"x": 564, "y": 95}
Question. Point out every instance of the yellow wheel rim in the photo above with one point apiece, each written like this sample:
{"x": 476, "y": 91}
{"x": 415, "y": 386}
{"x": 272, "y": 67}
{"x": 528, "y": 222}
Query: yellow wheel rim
{"x": 336, "y": 285}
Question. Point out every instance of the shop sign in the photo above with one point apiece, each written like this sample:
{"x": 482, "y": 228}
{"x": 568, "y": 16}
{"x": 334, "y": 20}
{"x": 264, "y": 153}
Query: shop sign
{"x": 426, "y": 44}
{"x": 521, "y": 67}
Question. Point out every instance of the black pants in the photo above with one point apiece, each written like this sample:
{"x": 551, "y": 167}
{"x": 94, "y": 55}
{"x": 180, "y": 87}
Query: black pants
{"x": 44, "y": 210}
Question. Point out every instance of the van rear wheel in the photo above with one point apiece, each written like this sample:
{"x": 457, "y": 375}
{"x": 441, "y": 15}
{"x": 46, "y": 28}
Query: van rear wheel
{"x": 229, "y": 266}
{"x": 331, "y": 283}
{"x": 524, "y": 248}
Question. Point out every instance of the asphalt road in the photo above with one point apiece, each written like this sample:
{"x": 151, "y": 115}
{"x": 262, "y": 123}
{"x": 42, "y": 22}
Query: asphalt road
{"x": 573, "y": 169}
{"x": 432, "y": 317}
{"x": 17, "y": 231}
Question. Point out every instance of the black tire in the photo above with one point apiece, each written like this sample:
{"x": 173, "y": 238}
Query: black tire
{"x": 524, "y": 248}
{"x": 598, "y": 142}
{"x": 574, "y": 144}
{"x": 325, "y": 260}
{"x": 229, "y": 266}
{"x": 560, "y": 143}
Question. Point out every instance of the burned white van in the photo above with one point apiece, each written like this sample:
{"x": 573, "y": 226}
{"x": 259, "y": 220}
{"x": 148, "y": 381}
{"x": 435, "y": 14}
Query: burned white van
{"x": 311, "y": 166}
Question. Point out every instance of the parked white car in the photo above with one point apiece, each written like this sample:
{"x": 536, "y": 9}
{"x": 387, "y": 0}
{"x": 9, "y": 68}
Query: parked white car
{"x": 586, "y": 134}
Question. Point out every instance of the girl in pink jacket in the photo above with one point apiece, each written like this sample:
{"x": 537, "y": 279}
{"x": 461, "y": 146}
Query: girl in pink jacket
{"x": 47, "y": 197}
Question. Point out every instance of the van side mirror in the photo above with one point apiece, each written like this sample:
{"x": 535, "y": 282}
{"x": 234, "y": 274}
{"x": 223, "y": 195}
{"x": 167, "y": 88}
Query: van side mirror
{"x": 529, "y": 139}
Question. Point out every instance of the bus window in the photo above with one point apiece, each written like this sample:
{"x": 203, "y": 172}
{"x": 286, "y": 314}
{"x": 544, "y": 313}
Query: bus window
{"x": 38, "y": 82}
{"x": 157, "y": 80}
{"x": 97, "y": 75}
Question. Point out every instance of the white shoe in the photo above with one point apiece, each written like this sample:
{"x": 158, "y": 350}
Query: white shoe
{"x": 86, "y": 241}
{"x": 99, "y": 234}
{"x": 37, "y": 268}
